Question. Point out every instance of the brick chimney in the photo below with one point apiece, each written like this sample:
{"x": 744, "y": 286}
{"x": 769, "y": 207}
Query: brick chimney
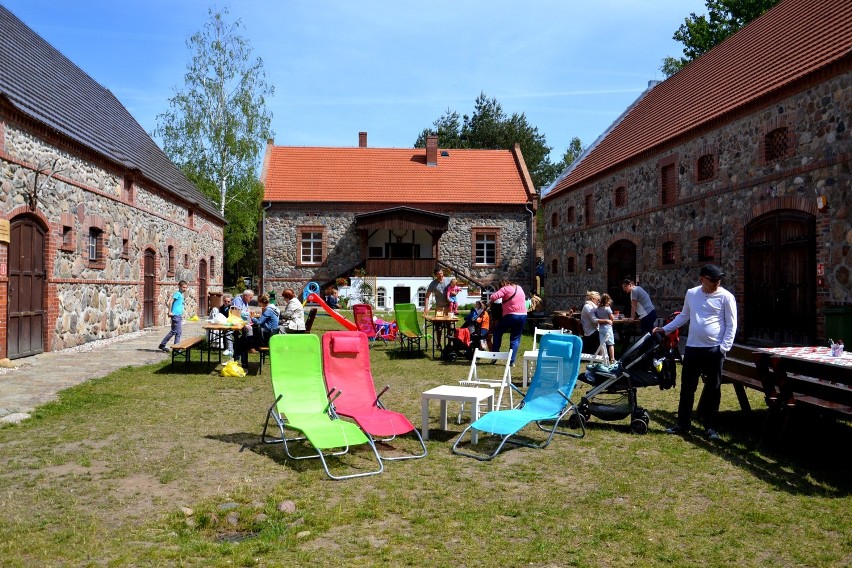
{"x": 432, "y": 150}
{"x": 362, "y": 139}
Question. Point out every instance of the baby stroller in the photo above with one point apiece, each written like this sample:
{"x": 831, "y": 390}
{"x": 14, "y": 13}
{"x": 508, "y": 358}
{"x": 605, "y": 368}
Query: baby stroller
{"x": 651, "y": 361}
{"x": 465, "y": 341}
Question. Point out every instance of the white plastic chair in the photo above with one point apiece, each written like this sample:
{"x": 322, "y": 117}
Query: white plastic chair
{"x": 530, "y": 357}
{"x": 600, "y": 356}
{"x": 476, "y": 378}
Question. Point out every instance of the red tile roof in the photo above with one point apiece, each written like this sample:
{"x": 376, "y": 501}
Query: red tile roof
{"x": 791, "y": 40}
{"x": 392, "y": 175}
{"x": 40, "y": 82}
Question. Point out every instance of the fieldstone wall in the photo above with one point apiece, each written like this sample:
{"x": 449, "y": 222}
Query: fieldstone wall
{"x": 343, "y": 245}
{"x": 89, "y": 300}
{"x": 515, "y": 254}
{"x": 744, "y": 187}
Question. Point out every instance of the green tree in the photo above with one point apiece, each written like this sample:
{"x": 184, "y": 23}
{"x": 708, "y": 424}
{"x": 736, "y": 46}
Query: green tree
{"x": 699, "y": 34}
{"x": 216, "y": 127}
{"x": 488, "y": 127}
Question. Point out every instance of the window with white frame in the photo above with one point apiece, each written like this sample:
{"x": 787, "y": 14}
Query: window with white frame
{"x": 381, "y": 297}
{"x": 311, "y": 247}
{"x": 486, "y": 248}
{"x": 486, "y": 292}
{"x": 94, "y": 244}
{"x": 421, "y": 297}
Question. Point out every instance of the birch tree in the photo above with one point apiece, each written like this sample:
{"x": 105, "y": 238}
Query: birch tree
{"x": 217, "y": 125}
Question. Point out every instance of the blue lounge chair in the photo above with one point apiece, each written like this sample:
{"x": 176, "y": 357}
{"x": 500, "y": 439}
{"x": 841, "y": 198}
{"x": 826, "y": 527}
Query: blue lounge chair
{"x": 548, "y": 399}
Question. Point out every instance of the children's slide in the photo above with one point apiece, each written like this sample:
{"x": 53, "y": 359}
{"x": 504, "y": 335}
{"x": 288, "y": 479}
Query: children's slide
{"x": 313, "y": 297}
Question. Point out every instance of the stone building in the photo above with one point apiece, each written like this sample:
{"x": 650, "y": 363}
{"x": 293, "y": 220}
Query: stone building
{"x": 97, "y": 226}
{"x": 741, "y": 159}
{"x": 396, "y": 215}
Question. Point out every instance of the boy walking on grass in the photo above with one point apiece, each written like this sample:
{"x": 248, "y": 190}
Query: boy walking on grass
{"x": 175, "y": 305}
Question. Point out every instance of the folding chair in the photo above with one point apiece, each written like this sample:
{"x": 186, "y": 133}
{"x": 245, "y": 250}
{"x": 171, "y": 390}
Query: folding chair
{"x": 264, "y": 351}
{"x": 408, "y": 326}
{"x": 532, "y": 355}
{"x": 600, "y": 356}
{"x": 346, "y": 365}
{"x": 302, "y": 404}
{"x": 363, "y": 315}
{"x": 477, "y": 376}
{"x": 547, "y": 400}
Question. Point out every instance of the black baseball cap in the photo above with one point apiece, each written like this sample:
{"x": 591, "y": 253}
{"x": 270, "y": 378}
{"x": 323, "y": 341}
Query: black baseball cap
{"x": 711, "y": 271}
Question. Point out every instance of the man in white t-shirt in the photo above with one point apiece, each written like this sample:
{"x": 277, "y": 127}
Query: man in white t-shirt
{"x": 712, "y": 315}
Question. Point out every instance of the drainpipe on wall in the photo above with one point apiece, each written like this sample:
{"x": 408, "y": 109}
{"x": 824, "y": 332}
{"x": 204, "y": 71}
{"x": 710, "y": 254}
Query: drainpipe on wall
{"x": 262, "y": 247}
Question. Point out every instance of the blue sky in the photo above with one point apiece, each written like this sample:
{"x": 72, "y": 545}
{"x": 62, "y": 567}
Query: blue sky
{"x": 388, "y": 67}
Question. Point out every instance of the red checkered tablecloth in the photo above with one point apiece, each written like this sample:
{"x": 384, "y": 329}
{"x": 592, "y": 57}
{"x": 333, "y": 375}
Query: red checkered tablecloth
{"x": 818, "y": 354}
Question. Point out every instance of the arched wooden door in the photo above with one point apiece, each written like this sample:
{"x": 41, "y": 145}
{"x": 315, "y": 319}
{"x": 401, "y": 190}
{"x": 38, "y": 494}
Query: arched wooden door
{"x": 780, "y": 279}
{"x": 202, "y": 288}
{"x": 25, "y": 325}
{"x": 149, "y": 278}
{"x": 620, "y": 264}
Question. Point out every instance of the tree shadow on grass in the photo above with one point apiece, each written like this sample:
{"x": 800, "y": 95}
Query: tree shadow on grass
{"x": 804, "y": 461}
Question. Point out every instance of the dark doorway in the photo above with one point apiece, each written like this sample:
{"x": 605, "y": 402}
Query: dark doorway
{"x": 780, "y": 275}
{"x": 202, "y": 288}
{"x": 620, "y": 264}
{"x": 402, "y": 250}
{"x": 26, "y": 289}
{"x": 150, "y": 274}
{"x": 401, "y": 295}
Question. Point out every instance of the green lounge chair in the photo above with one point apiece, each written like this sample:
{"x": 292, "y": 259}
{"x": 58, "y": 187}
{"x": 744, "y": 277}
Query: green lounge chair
{"x": 408, "y": 327}
{"x": 302, "y": 404}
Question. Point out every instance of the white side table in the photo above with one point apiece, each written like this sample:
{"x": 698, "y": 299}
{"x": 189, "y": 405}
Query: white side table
{"x": 444, "y": 393}
{"x": 529, "y": 357}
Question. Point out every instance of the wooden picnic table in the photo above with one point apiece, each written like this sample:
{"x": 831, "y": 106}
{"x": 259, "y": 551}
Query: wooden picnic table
{"x": 217, "y": 333}
{"x": 443, "y": 322}
{"x": 805, "y": 376}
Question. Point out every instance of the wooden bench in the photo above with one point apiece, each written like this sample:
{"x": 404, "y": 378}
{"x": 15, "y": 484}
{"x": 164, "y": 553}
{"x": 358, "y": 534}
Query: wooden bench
{"x": 740, "y": 371}
{"x": 184, "y": 349}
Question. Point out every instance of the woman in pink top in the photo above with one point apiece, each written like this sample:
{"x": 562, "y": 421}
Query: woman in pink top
{"x": 514, "y": 315}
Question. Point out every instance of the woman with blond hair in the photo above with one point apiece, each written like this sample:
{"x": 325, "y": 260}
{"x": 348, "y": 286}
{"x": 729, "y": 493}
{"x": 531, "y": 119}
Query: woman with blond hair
{"x": 589, "y": 321}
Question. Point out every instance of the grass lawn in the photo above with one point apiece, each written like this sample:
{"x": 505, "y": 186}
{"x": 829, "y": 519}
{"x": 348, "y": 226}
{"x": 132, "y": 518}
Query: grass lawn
{"x": 150, "y": 466}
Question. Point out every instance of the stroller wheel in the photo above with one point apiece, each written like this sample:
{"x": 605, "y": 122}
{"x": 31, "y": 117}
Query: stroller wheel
{"x": 451, "y": 356}
{"x": 639, "y": 426}
{"x": 646, "y": 418}
{"x": 576, "y": 421}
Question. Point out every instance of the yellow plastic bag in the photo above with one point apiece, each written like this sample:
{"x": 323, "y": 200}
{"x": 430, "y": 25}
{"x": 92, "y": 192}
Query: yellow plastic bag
{"x": 233, "y": 369}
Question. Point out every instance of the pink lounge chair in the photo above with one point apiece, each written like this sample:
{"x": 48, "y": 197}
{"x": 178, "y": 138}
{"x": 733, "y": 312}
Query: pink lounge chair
{"x": 363, "y": 314}
{"x": 346, "y": 366}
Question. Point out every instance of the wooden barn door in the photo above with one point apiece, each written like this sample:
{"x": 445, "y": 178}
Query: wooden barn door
{"x": 202, "y": 288}
{"x": 620, "y": 264}
{"x": 150, "y": 274}
{"x": 25, "y": 325}
{"x": 780, "y": 279}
